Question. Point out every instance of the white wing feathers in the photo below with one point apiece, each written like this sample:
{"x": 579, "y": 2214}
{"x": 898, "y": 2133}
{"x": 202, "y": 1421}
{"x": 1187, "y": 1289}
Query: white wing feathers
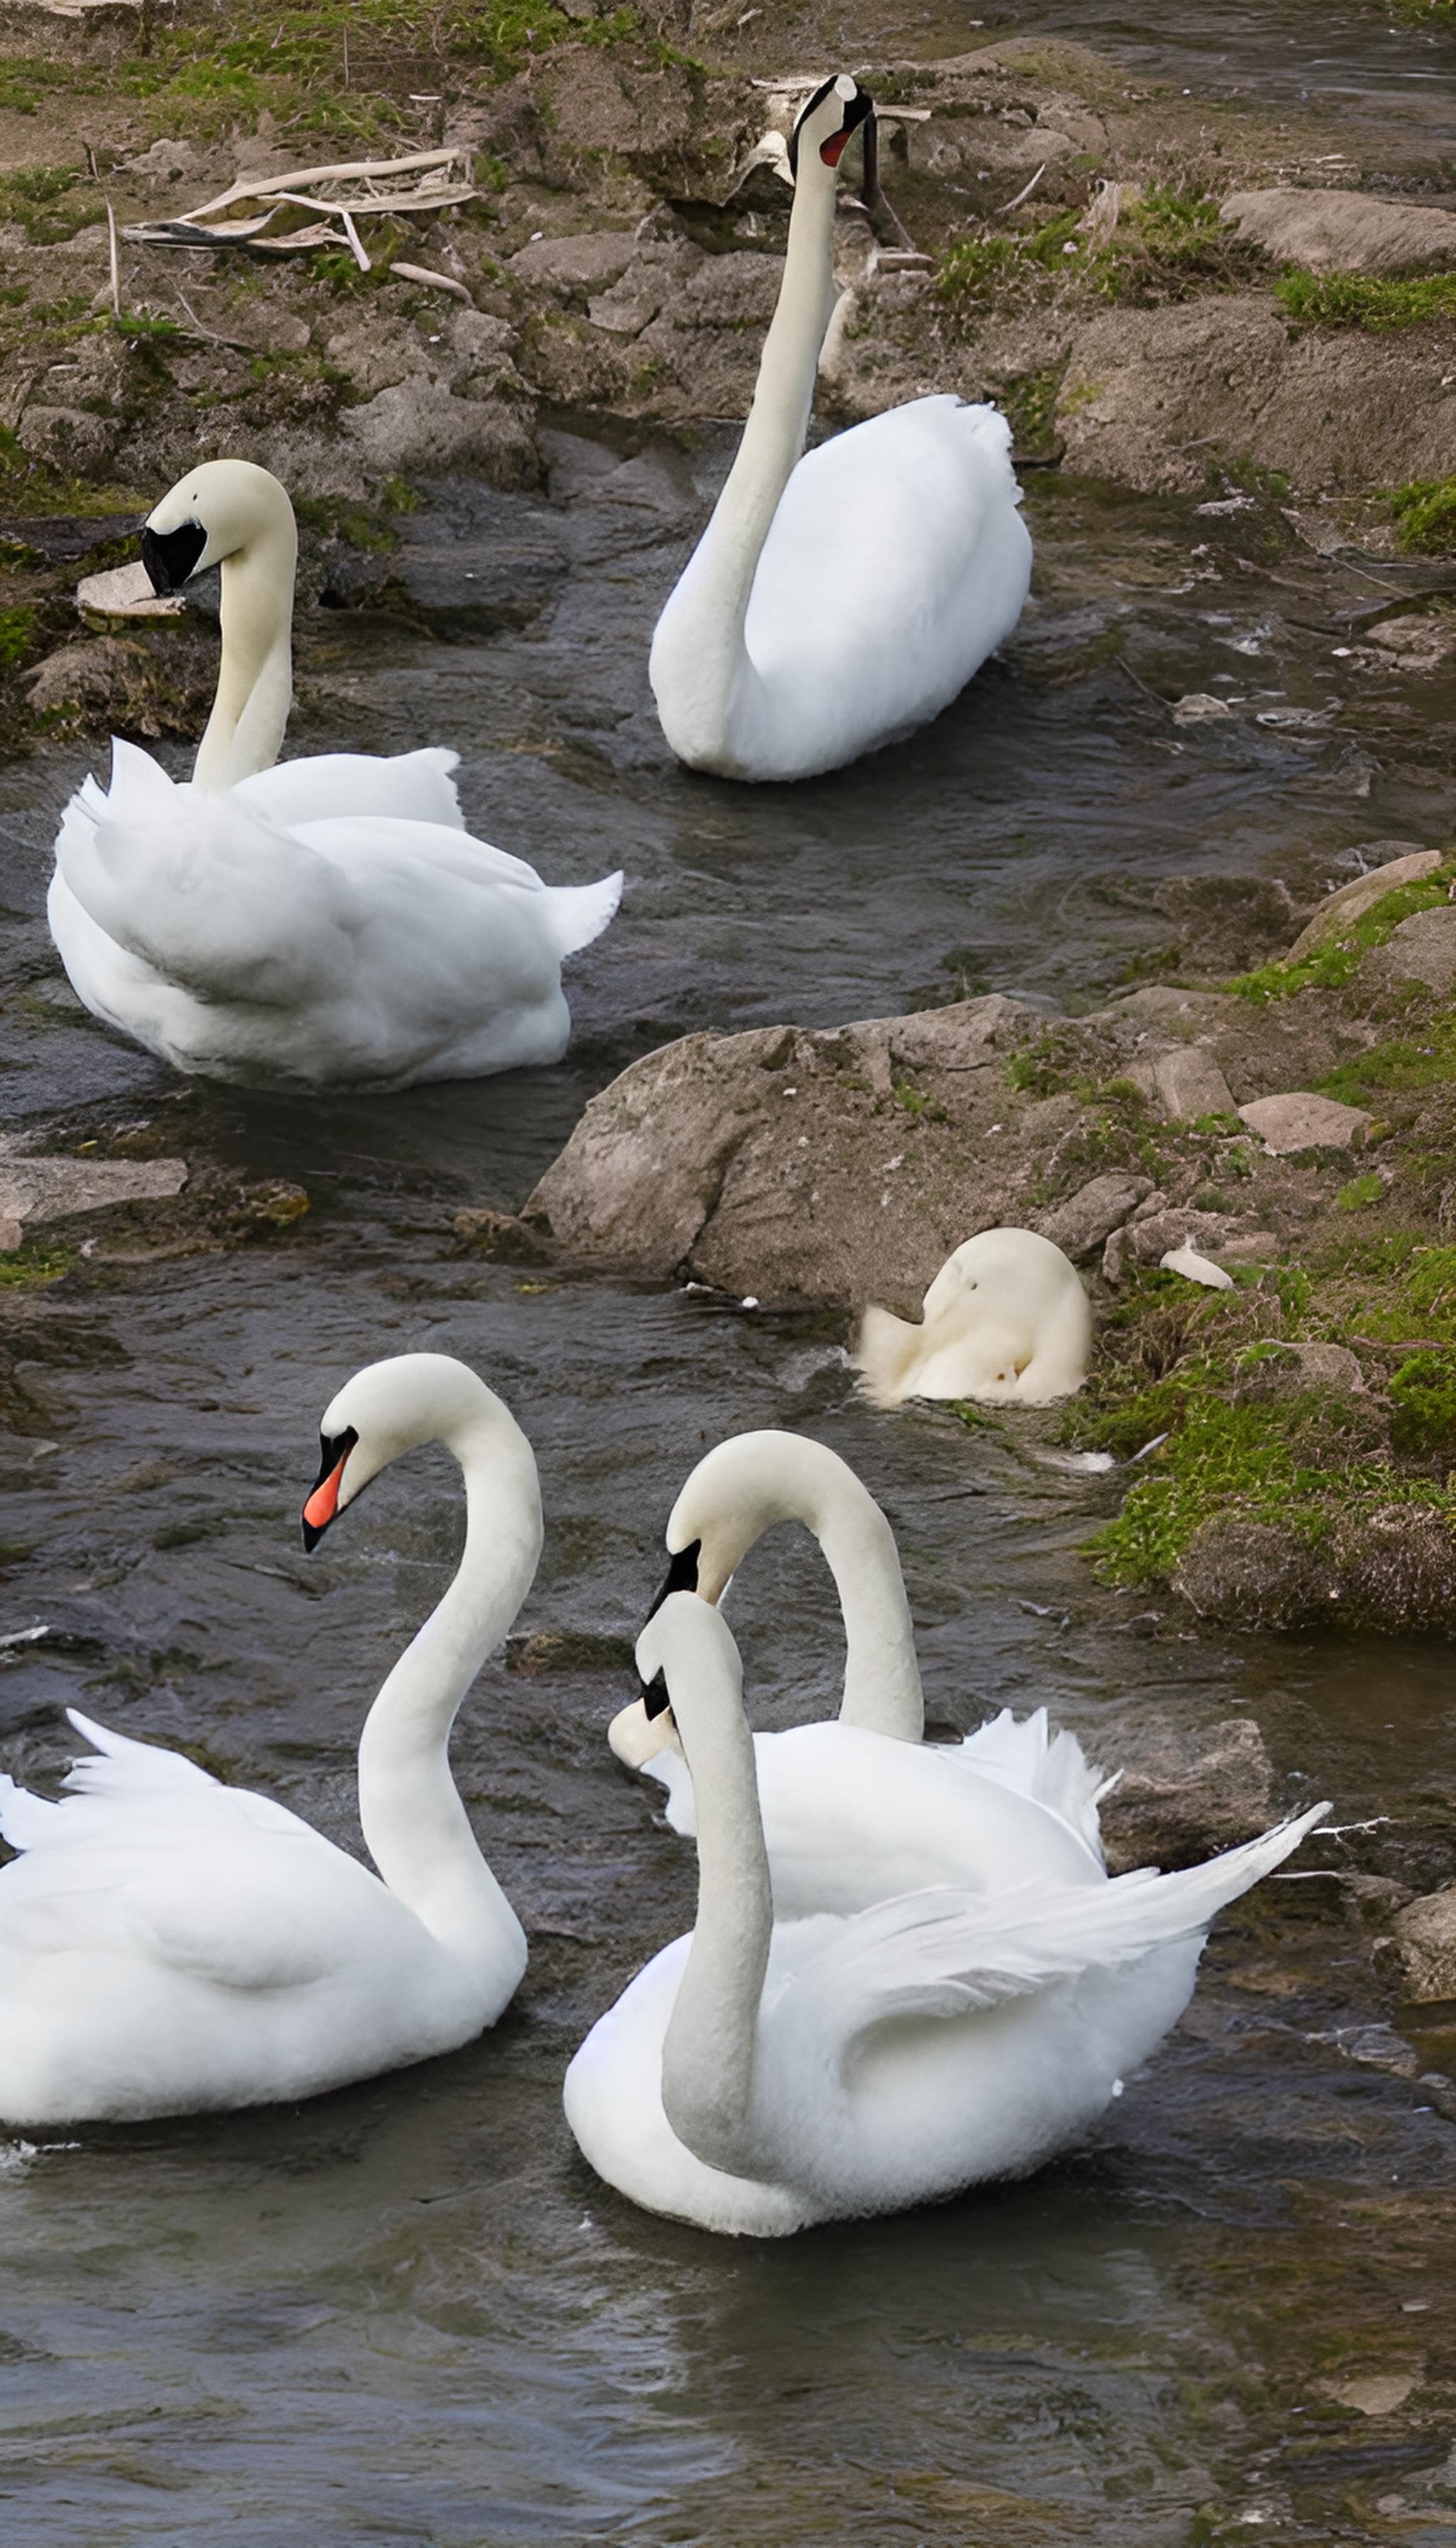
{"x": 1020, "y": 1752}
{"x": 945, "y": 1953}
{"x": 413, "y": 787}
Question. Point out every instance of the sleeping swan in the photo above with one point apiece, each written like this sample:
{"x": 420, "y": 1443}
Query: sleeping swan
{"x": 322, "y": 923}
{"x": 1005, "y": 1322}
{"x": 169, "y": 1945}
{"x": 836, "y": 599}
{"x": 860, "y": 1808}
{"x": 759, "y": 2075}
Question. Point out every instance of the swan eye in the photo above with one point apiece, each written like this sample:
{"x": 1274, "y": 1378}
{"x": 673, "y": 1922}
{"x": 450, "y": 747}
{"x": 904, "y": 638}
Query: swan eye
{"x": 323, "y": 1506}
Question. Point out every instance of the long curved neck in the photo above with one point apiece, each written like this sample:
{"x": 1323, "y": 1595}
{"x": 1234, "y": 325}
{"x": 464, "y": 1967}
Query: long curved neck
{"x": 712, "y": 602}
{"x": 246, "y": 730}
{"x": 414, "y": 1824}
{"x": 708, "y": 2049}
{"x": 881, "y": 1673}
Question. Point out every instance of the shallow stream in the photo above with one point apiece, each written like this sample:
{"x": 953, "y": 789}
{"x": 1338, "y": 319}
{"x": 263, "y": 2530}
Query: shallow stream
{"x": 409, "y": 2313}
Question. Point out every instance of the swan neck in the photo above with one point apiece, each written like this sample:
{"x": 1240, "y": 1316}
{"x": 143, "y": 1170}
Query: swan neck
{"x": 708, "y": 2049}
{"x": 712, "y": 601}
{"x": 249, "y": 717}
{"x": 882, "y": 1687}
{"x": 415, "y": 1827}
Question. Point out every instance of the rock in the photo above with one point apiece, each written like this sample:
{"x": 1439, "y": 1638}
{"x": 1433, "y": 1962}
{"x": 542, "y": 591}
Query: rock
{"x": 1196, "y": 707}
{"x": 1390, "y": 864}
{"x": 1089, "y": 1216}
{"x": 1150, "y": 1236}
{"x": 1253, "y": 1574}
{"x": 1421, "y": 949}
{"x": 124, "y": 593}
{"x": 1302, "y": 1120}
{"x": 1420, "y": 1952}
{"x": 1331, "y": 231}
{"x": 1184, "y": 1794}
{"x": 417, "y": 429}
{"x": 1376, "y": 2393}
{"x": 500, "y": 1236}
{"x": 70, "y": 440}
{"x": 800, "y": 1166}
{"x": 163, "y": 159}
{"x": 1188, "y": 1082}
{"x": 1420, "y": 640}
{"x": 163, "y": 684}
{"x": 585, "y": 262}
{"x": 37, "y": 1190}
{"x": 1398, "y": 1569}
{"x": 1316, "y": 1366}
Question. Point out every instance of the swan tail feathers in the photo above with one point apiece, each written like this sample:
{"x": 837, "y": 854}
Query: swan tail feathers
{"x": 581, "y": 912}
{"x": 1024, "y": 1753}
{"x": 886, "y": 1352}
{"x": 119, "y": 1765}
{"x": 411, "y": 786}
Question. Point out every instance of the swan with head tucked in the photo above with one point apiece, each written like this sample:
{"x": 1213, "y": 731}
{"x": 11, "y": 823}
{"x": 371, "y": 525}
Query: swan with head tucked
{"x": 326, "y": 922}
{"x": 1005, "y": 1322}
{"x": 841, "y": 597}
{"x": 761, "y": 2074}
{"x": 858, "y": 1808}
{"x": 169, "y": 1945}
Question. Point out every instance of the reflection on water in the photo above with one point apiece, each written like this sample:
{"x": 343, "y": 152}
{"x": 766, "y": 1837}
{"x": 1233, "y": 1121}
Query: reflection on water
{"x": 407, "y": 2313}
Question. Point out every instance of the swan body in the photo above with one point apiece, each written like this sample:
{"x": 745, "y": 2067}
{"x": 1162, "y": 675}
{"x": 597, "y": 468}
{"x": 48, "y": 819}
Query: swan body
{"x": 171, "y": 1945}
{"x": 1005, "y": 1322}
{"x": 841, "y": 597}
{"x": 858, "y": 1809}
{"x": 326, "y": 922}
{"x": 762, "y": 2074}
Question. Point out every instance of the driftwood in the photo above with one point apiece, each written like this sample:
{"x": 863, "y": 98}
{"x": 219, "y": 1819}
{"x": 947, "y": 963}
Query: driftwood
{"x": 344, "y": 194}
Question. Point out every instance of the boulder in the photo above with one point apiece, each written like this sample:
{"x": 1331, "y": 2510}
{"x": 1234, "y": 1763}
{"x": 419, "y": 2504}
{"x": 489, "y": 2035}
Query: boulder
{"x": 1421, "y": 949}
{"x": 1254, "y": 1575}
{"x": 1334, "y": 231}
{"x": 70, "y": 440}
{"x": 1419, "y": 1951}
{"x": 1390, "y": 864}
{"x": 419, "y": 429}
{"x": 1185, "y": 1792}
{"x": 1187, "y": 1081}
{"x": 1303, "y": 1121}
{"x": 39, "y": 1189}
{"x": 1398, "y": 1569}
{"x": 588, "y": 261}
{"x": 1088, "y": 1216}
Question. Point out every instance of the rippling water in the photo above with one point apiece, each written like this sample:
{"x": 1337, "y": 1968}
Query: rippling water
{"x": 407, "y": 2313}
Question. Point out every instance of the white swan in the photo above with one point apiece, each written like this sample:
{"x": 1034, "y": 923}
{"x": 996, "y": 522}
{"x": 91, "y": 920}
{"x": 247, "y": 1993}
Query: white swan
{"x": 755, "y": 2078}
{"x": 837, "y": 600}
{"x": 169, "y": 1945}
{"x": 858, "y": 1808}
{"x": 1006, "y": 1320}
{"x": 322, "y": 923}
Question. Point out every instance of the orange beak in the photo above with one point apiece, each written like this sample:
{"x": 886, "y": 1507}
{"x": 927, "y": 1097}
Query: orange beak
{"x": 322, "y": 1503}
{"x": 832, "y": 150}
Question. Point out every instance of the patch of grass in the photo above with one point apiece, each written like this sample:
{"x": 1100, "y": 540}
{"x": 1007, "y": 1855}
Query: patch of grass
{"x": 1400, "y": 1063}
{"x": 1327, "y": 967}
{"x": 1374, "y": 301}
{"x": 1168, "y": 244}
{"x": 1424, "y": 1400}
{"x": 50, "y": 204}
{"x": 17, "y": 635}
{"x": 1425, "y": 516}
{"x": 33, "y": 1263}
{"x": 1360, "y": 1191}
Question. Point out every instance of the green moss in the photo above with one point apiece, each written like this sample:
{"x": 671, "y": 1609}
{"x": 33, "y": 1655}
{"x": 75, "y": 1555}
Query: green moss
{"x": 1359, "y": 1192}
{"x": 1424, "y": 1400}
{"x": 1367, "y": 301}
{"x": 50, "y": 204}
{"x": 33, "y": 1263}
{"x": 1329, "y": 966}
{"x": 1425, "y": 516}
{"x": 1398, "y": 1062}
{"x": 17, "y": 635}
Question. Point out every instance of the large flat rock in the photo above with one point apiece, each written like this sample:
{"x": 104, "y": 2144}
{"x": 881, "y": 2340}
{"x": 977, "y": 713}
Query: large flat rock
{"x": 1334, "y": 231}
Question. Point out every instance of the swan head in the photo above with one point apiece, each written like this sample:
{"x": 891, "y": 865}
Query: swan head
{"x": 837, "y": 109}
{"x": 210, "y": 515}
{"x": 686, "y": 1645}
{"x": 387, "y": 1408}
{"x": 737, "y": 1491}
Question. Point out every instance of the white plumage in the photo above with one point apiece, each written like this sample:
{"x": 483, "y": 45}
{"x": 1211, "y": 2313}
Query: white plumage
{"x": 169, "y": 1945}
{"x": 762, "y": 2074}
{"x": 836, "y": 599}
{"x": 1005, "y": 1322}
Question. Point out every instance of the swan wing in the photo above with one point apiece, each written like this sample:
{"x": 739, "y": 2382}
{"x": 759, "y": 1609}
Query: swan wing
{"x": 409, "y": 858}
{"x": 211, "y": 893}
{"x": 418, "y": 787}
{"x": 1021, "y": 1754}
{"x": 945, "y": 1953}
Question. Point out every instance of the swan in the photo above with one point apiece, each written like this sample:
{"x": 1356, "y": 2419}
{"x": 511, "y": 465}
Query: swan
{"x": 322, "y": 923}
{"x": 759, "y": 2074}
{"x": 169, "y": 1945}
{"x": 836, "y": 599}
{"x": 1006, "y": 1320}
{"x": 858, "y": 1809}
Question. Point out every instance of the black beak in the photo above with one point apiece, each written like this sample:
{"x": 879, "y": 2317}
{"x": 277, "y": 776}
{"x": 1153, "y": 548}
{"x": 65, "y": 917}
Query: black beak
{"x": 681, "y": 1577}
{"x": 322, "y": 1504}
{"x": 169, "y": 557}
{"x": 654, "y": 1699}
